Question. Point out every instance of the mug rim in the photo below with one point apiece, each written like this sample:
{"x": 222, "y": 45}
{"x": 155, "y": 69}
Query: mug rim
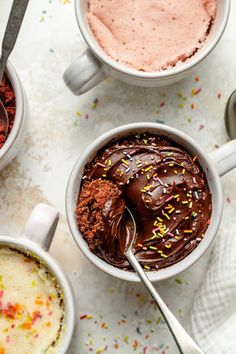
{"x": 172, "y": 72}
{"x": 20, "y": 108}
{"x": 71, "y": 197}
{"x": 54, "y": 267}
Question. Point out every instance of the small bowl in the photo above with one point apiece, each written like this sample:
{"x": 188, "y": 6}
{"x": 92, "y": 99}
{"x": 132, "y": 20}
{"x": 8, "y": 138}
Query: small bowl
{"x": 15, "y": 139}
{"x": 221, "y": 161}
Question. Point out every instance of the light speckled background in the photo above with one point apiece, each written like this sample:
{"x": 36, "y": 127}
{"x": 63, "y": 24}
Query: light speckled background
{"x": 122, "y": 312}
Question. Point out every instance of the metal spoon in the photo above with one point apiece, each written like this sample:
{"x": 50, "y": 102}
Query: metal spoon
{"x": 11, "y": 33}
{"x": 230, "y": 116}
{"x": 185, "y": 343}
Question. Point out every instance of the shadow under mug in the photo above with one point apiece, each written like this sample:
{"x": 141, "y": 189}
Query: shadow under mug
{"x": 94, "y": 65}
{"x": 36, "y": 239}
{"x": 215, "y": 164}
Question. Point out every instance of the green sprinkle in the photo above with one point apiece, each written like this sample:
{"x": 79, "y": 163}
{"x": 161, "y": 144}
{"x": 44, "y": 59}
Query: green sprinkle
{"x": 153, "y": 248}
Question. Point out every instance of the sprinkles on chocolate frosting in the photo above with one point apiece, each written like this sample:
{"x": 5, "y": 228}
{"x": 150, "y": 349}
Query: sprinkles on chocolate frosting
{"x": 167, "y": 191}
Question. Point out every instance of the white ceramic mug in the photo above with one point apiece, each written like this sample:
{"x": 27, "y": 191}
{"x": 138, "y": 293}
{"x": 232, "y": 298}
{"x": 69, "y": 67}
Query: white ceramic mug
{"x": 16, "y": 138}
{"x": 36, "y": 239}
{"x": 93, "y": 66}
{"x": 215, "y": 165}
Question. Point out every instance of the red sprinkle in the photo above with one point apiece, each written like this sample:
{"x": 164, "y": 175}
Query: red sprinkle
{"x": 201, "y": 126}
{"x": 82, "y": 317}
{"x": 228, "y": 201}
{"x": 196, "y": 92}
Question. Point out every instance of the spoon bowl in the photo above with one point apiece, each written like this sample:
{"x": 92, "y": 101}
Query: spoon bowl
{"x": 4, "y": 120}
{"x": 230, "y": 116}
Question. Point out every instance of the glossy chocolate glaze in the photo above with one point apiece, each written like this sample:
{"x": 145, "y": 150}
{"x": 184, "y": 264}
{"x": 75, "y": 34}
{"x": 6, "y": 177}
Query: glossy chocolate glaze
{"x": 167, "y": 191}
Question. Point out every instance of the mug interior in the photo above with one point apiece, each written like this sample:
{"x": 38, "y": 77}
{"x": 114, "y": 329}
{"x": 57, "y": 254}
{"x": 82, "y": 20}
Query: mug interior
{"x": 217, "y": 30}
{"x": 73, "y": 190}
{"x": 30, "y": 249}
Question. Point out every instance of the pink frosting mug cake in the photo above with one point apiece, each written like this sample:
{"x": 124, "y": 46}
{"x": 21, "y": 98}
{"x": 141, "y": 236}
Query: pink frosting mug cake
{"x": 149, "y": 43}
{"x": 151, "y": 35}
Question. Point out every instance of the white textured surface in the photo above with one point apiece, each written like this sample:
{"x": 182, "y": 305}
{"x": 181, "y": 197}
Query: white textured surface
{"x": 48, "y": 42}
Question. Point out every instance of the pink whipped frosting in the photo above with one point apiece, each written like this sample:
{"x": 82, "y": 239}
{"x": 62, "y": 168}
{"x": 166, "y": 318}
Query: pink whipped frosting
{"x": 150, "y": 35}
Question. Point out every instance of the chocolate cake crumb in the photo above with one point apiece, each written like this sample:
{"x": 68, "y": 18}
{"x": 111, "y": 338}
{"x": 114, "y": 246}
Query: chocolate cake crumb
{"x": 98, "y": 201}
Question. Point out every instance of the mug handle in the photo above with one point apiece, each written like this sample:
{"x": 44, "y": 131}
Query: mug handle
{"x": 224, "y": 157}
{"x": 84, "y": 73}
{"x": 41, "y": 225}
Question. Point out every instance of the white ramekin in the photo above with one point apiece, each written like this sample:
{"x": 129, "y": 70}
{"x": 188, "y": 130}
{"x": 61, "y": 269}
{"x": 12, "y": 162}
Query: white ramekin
{"x": 93, "y": 66}
{"x": 36, "y": 239}
{"x": 16, "y": 138}
{"x": 215, "y": 165}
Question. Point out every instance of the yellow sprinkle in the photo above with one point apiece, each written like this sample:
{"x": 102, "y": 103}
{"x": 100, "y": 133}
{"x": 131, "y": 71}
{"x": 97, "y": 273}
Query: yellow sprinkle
{"x": 78, "y": 114}
{"x": 167, "y": 216}
{"x": 148, "y": 177}
{"x": 181, "y": 105}
{"x": 190, "y": 204}
{"x": 175, "y": 172}
{"x": 152, "y": 248}
{"x": 154, "y": 236}
{"x": 171, "y": 210}
{"x": 147, "y": 267}
{"x": 159, "y": 251}
{"x": 148, "y": 168}
{"x": 159, "y": 219}
{"x": 195, "y": 158}
{"x": 164, "y": 255}
{"x": 171, "y": 164}
{"x": 170, "y": 154}
{"x": 126, "y": 339}
{"x": 168, "y": 246}
{"x": 148, "y": 187}
{"x": 125, "y": 162}
{"x": 188, "y": 231}
{"x": 99, "y": 351}
{"x": 176, "y": 196}
{"x": 104, "y": 175}
{"x": 185, "y": 202}
{"x": 183, "y": 171}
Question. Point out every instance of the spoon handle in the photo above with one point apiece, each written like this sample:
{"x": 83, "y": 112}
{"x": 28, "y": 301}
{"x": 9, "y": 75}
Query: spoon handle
{"x": 13, "y": 27}
{"x": 185, "y": 343}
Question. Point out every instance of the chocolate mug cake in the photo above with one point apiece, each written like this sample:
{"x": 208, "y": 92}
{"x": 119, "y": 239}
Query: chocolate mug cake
{"x": 165, "y": 188}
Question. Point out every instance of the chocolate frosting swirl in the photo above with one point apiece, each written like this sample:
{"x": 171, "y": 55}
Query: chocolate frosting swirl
{"x": 167, "y": 191}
